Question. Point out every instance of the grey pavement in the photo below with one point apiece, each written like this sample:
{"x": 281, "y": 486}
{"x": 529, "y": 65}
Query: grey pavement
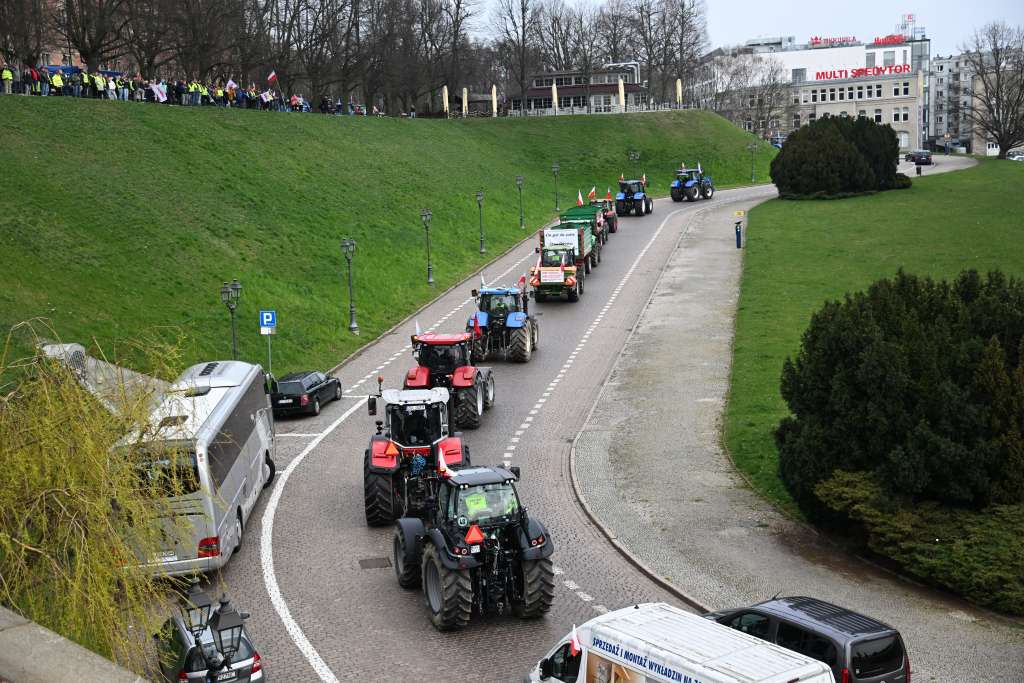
{"x": 651, "y": 466}
{"x": 940, "y": 164}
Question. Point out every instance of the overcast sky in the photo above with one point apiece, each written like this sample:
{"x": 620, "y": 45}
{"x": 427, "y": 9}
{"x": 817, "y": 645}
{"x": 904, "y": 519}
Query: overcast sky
{"x": 949, "y": 23}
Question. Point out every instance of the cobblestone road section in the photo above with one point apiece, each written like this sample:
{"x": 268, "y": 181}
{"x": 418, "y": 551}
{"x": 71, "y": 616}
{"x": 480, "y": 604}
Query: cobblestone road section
{"x": 650, "y": 465}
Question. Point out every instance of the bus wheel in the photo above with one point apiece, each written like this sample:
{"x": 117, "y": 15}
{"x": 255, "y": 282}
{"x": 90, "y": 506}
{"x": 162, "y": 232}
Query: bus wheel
{"x": 238, "y": 532}
{"x": 269, "y": 469}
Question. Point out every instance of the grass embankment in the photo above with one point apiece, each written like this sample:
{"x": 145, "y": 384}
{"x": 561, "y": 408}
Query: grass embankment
{"x": 801, "y": 254}
{"x": 120, "y": 221}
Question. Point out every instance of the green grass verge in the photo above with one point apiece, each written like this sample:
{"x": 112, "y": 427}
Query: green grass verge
{"x": 119, "y": 221}
{"x": 801, "y": 254}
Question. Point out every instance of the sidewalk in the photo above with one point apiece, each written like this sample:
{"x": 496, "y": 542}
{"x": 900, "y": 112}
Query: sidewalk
{"x": 650, "y": 466}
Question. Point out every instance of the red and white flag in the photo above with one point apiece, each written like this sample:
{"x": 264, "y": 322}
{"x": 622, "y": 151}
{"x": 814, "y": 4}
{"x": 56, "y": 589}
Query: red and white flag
{"x": 272, "y": 77}
{"x": 231, "y": 85}
{"x": 643, "y": 179}
{"x": 593, "y": 193}
{"x": 442, "y": 466}
{"x": 579, "y": 197}
{"x": 574, "y": 643}
{"x": 608, "y": 194}
{"x": 476, "y": 327}
{"x": 522, "y": 280}
{"x": 622, "y": 177}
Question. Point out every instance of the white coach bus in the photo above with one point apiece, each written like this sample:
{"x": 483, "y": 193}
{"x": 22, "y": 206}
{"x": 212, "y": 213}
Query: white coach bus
{"x": 217, "y": 422}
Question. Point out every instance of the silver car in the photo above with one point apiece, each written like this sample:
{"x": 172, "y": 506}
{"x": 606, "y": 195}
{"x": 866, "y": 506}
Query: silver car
{"x": 182, "y": 659}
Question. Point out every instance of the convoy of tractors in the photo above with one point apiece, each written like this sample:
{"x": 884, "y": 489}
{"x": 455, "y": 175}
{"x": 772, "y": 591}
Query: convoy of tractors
{"x": 460, "y": 531}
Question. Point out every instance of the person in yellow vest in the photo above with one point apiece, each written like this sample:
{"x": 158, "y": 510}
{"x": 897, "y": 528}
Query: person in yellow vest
{"x": 219, "y": 95}
{"x": 86, "y": 83}
{"x": 57, "y": 83}
{"x": 100, "y": 83}
{"x": 7, "y": 76}
{"x": 204, "y": 94}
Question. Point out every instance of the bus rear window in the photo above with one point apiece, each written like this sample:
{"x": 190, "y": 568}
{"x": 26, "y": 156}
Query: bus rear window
{"x": 877, "y": 657}
{"x": 168, "y": 473}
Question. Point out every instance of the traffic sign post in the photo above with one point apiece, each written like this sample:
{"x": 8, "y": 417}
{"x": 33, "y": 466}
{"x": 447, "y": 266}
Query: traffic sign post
{"x": 268, "y": 328}
{"x": 739, "y": 227}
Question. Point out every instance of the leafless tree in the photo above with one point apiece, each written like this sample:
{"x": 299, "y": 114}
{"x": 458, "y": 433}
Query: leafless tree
{"x": 995, "y": 55}
{"x": 95, "y": 28}
{"x": 587, "y": 44}
{"x": 616, "y": 29}
{"x": 517, "y": 24}
{"x": 147, "y": 34}
{"x": 556, "y": 32}
{"x": 23, "y": 28}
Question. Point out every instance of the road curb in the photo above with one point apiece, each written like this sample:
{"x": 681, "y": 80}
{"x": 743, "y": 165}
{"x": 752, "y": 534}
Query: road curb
{"x": 608, "y": 533}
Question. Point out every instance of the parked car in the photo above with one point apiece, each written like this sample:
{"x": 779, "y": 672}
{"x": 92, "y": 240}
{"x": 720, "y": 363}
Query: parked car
{"x": 920, "y": 156}
{"x": 858, "y": 648}
{"x": 182, "y": 658}
{"x": 1015, "y": 156}
{"x": 303, "y": 392}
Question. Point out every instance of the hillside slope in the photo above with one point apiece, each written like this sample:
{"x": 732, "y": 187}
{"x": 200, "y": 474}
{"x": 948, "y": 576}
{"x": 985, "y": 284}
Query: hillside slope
{"x": 121, "y": 220}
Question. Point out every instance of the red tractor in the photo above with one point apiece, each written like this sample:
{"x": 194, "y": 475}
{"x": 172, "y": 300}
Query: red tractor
{"x": 444, "y": 360}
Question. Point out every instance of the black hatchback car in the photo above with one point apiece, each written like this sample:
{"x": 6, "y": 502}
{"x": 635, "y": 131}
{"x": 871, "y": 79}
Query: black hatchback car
{"x": 303, "y": 392}
{"x": 858, "y": 648}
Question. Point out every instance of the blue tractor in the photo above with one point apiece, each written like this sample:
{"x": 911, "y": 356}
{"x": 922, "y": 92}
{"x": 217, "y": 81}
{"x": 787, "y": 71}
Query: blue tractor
{"x": 632, "y": 196}
{"x": 691, "y": 183}
{"x": 503, "y": 324}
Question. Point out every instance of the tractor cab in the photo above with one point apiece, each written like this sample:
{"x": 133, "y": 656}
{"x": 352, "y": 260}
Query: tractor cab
{"x": 415, "y": 418}
{"x": 686, "y": 174}
{"x": 485, "y": 496}
{"x": 441, "y": 354}
{"x": 630, "y": 188}
{"x": 556, "y": 257}
{"x": 498, "y": 303}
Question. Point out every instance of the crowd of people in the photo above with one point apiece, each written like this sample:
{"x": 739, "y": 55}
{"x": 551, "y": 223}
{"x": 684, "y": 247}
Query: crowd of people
{"x": 73, "y": 82}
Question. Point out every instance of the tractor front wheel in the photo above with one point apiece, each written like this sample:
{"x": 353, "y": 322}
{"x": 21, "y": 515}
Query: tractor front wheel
{"x": 378, "y": 496}
{"x": 650, "y": 205}
{"x": 521, "y": 344}
{"x": 538, "y": 588}
{"x": 448, "y": 592}
{"x": 406, "y": 560}
{"x": 638, "y": 207}
{"x": 469, "y": 407}
{"x": 535, "y": 331}
{"x": 620, "y": 207}
{"x": 489, "y": 392}
{"x": 708, "y": 191}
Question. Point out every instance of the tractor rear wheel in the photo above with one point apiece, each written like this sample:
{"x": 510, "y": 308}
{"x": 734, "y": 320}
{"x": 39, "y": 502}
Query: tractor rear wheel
{"x": 448, "y": 592}
{"x": 538, "y": 588}
{"x": 521, "y": 344}
{"x": 378, "y": 496}
{"x": 691, "y": 194}
{"x": 620, "y": 207}
{"x": 574, "y": 293}
{"x": 476, "y": 348}
{"x": 676, "y": 195}
{"x": 469, "y": 407}
{"x": 489, "y": 392}
{"x": 586, "y": 264}
{"x": 404, "y": 557}
{"x": 638, "y": 207}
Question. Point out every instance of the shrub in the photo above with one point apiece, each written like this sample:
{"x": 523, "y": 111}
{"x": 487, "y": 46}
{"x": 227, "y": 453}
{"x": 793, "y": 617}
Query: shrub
{"x": 919, "y": 383}
{"x": 980, "y": 555}
{"x": 834, "y": 157}
{"x": 902, "y": 182}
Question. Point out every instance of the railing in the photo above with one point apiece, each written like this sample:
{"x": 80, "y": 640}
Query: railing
{"x": 602, "y": 109}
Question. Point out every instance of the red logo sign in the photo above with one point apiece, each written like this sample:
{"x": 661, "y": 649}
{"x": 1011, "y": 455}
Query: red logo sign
{"x": 891, "y": 39}
{"x": 863, "y": 72}
{"x": 818, "y": 41}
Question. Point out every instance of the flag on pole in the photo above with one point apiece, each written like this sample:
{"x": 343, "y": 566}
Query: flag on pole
{"x": 483, "y": 285}
{"x": 522, "y": 281}
{"x": 579, "y": 197}
{"x": 593, "y": 193}
{"x": 643, "y": 179}
{"x": 622, "y": 177}
{"x": 699, "y": 169}
{"x": 574, "y": 643}
{"x": 682, "y": 165}
{"x": 160, "y": 91}
{"x": 608, "y": 195}
{"x": 477, "y": 332}
{"x": 231, "y": 85}
{"x": 442, "y": 466}
{"x": 418, "y": 333}
{"x": 272, "y": 77}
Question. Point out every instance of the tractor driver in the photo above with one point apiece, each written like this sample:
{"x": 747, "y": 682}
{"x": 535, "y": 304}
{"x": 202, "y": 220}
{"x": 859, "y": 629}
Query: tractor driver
{"x": 500, "y": 304}
{"x": 485, "y": 502}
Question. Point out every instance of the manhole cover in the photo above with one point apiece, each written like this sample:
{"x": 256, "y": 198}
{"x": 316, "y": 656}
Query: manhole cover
{"x": 375, "y": 563}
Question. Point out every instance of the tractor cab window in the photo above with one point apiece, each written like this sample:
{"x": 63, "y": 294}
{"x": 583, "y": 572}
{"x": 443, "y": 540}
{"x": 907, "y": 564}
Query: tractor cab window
{"x": 689, "y": 174}
{"x": 498, "y": 304}
{"x": 487, "y": 504}
{"x": 442, "y": 359}
{"x": 631, "y": 187}
{"x": 417, "y": 425}
{"x": 552, "y": 257}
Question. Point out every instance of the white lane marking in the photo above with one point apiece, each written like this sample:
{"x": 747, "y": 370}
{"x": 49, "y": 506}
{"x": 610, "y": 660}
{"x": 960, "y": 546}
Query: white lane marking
{"x": 267, "y": 555}
{"x": 297, "y": 435}
{"x": 556, "y": 570}
{"x": 571, "y": 585}
{"x": 584, "y": 596}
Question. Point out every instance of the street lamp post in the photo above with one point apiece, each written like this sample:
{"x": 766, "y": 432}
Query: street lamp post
{"x": 230, "y": 294}
{"x": 752, "y": 147}
{"x": 554, "y": 172}
{"x": 480, "y": 204}
{"x": 225, "y": 625}
{"x": 519, "y": 183}
{"x": 426, "y": 216}
{"x": 348, "y": 248}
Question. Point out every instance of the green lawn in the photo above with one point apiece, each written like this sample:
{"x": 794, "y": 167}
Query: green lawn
{"x": 803, "y": 253}
{"x": 119, "y": 221}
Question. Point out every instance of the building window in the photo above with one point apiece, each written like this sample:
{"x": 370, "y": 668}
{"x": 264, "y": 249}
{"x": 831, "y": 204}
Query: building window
{"x": 896, "y": 115}
{"x": 941, "y": 81}
{"x": 805, "y": 97}
{"x": 940, "y": 67}
{"x": 814, "y": 96}
{"x": 748, "y": 125}
{"x": 796, "y": 98}
{"x": 939, "y": 93}
{"x": 939, "y": 118}
{"x": 796, "y": 120}
{"x": 812, "y": 117}
{"x": 849, "y": 93}
{"x": 896, "y": 90}
{"x": 799, "y": 75}
{"x": 906, "y": 88}
{"x": 904, "y": 56}
{"x": 878, "y": 116}
{"x": 860, "y": 92}
{"x": 889, "y": 58}
{"x": 878, "y": 90}
{"x": 906, "y": 113}
{"x": 831, "y": 94}
{"x": 862, "y": 113}
{"x": 842, "y": 94}
{"x": 843, "y": 115}
{"x": 870, "y": 60}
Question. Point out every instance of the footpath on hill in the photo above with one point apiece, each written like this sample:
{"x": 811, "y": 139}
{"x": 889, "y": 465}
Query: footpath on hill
{"x": 650, "y": 467}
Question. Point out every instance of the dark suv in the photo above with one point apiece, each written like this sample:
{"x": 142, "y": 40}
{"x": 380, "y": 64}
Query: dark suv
{"x": 920, "y": 156}
{"x": 858, "y": 648}
{"x": 303, "y": 392}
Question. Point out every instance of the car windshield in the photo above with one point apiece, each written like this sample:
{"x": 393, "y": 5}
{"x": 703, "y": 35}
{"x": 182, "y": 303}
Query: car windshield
{"x": 441, "y": 359}
{"x": 290, "y": 388}
{"x": 167, "y": 472}
{"x": 551, "y": 257}
{"x": 487, "y": 504}
{"x": 497, "y": 303}
{"x": 417, "y": 425}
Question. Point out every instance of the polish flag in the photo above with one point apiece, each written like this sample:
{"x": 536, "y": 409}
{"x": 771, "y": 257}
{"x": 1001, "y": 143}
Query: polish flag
{"x": 476, "y": 327}
{"x": 574, "y": 643}
{"x": 622, "y": 177}
{"x": 442, "y": 466}
{"x": 608, "y": 194}
{"x": 272, "y": 77}
{"x": 579, "y": 197}
{"x": 418, "y": 332}
{"x": 643, "y": 179}
{"x": 522, "y": 280}
{"x": 561, "y": 265}
{"x": 593, "y": 193}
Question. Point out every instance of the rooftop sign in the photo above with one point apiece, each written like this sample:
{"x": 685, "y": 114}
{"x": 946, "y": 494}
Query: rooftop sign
{"x": 818, "y": 41}
{"x": 891, "y": 39}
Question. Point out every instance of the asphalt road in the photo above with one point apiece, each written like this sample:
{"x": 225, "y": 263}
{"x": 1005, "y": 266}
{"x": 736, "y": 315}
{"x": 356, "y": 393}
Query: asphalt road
{"x": 322, "y": 609}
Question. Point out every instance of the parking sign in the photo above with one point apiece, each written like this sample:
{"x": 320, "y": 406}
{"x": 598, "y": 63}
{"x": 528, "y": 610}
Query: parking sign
{"x": 268, "y": 322}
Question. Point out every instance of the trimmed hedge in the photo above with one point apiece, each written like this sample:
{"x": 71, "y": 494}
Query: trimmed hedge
{"x": 837, "y": 157}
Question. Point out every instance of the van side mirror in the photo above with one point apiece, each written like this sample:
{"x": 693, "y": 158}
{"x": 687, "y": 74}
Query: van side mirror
{"x": 475, "y": 293}
{"x": 545, "y": 669}
{"x": 371, "y": 405}
{"x": 515, "y": 470}
{"x": 536, "y": 250}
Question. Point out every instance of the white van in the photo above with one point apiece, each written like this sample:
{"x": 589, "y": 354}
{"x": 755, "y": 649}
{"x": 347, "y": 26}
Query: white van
{"x": 659, "y": 642}
{"x": 216, "y": 418}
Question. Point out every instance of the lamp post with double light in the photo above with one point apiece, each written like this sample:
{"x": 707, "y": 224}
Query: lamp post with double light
{"x": 225, "y": 626}
{"x": 348, "y": 248}
{"x": 519, "y": 184}
{"x": 480, "y": 204}
{"x": 426, "y": 215}
{"x": 752, "y": 147}
{"x": 229, "y": 295}
{"x": 554, "y": 172}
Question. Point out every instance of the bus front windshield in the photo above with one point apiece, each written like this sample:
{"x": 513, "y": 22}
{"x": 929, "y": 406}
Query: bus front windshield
{"x": 487, "y": 504}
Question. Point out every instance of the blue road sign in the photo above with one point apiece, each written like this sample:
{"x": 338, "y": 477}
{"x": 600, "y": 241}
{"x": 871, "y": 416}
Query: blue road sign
{"x": 268, "y": 318}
